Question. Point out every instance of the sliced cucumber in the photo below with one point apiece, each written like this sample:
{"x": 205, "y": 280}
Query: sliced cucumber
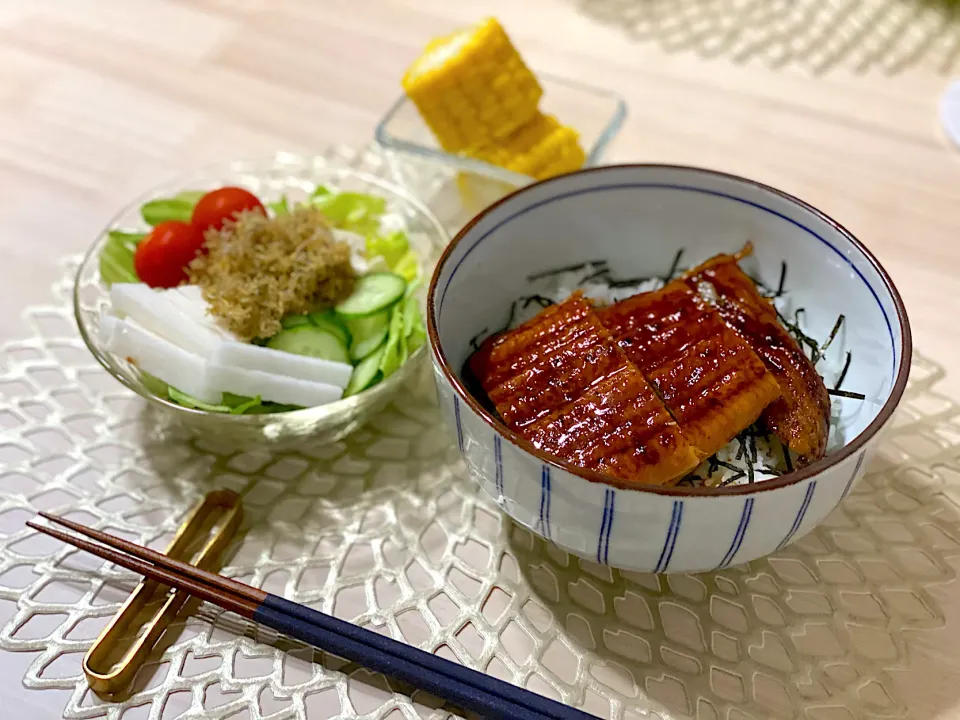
{"x": 292, "y": 321}
{"x": 311, "y": 341}
{"x": 374, "y": 292}
{"x": 367, "y": 334}
{"x": 366, "y": 373}
{"x": 328, "y": 320}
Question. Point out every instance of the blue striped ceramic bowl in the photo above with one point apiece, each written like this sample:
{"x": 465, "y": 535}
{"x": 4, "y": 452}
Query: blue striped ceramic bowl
{"x": 637, "y": 217}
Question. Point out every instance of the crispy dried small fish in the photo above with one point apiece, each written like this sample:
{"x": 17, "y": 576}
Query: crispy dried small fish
{"x": 258, "y": 269}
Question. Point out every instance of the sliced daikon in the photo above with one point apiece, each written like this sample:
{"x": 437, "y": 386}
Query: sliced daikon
{"x": 189, "y": 299}
{"x": 275, "y": 388}
{"x": 190, "y": 292}
{"x": 108, "y": 329}
{"x": 183, "y": 370}
{"x": 278, "y": 362}
{"x": 154, "y": 311}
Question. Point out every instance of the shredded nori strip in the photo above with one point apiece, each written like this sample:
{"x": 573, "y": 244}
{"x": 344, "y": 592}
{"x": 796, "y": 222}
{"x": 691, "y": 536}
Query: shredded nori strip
{"x": 843, "y": 373}
{"x": 475, "y": 340}
{"x": 783, "y": 279}
{"x": 787, "y": 460}
{"x": 833, "y": 333}
{"x": 713, "y": 464}
{"x": 732, "y": 479}
{"x": 513, "y": 313}
{"x": 799, "y": 335}
{"x": 542, "y": 300}
{"x": 673, "y": 266}
{"x": 602, "y": 272}
{"x": 764, "y": 290}
{"x": 569, "y": 268}
{"x": 846, "y": 394}
{"x": 631, "y": 282}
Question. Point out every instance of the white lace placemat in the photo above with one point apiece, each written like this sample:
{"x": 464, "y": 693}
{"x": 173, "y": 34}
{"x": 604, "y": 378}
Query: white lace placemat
{"x": 886, "y": 36}
{"x": 386, "y": 530}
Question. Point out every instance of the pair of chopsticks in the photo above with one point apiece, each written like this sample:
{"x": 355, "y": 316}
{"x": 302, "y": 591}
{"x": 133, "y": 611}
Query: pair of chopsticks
{"x": 467, "y": 689}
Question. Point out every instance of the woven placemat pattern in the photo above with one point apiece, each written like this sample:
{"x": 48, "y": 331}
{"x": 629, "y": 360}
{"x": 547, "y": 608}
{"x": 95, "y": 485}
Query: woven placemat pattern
{"x": 866, "y": 35}
{"x": 385, "y": 529}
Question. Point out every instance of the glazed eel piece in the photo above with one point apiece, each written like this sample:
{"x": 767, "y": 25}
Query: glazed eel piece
{"x": 561, "y": 382}
{"x": 800, "y": 417}
{"x": 710, "y": 380}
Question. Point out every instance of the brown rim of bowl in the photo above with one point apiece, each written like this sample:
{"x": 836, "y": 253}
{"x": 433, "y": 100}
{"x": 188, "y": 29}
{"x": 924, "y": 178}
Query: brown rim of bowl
{"x": 906, "y": 351}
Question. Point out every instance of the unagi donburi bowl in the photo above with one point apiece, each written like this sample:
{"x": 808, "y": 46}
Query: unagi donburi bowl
{"x": 637, "y": 217}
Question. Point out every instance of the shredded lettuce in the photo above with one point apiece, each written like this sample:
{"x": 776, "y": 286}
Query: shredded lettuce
{"x": 408, "y": 267}
{"x": 154, "y": 384}
{"x": 280, "y": 207}
{"x": 414, "y": 331}
{"x": 351, "y": 211}
{"x": 391, "y": 360}
{"x": 233, "y": 404}
{"x": 390, "y": 247}
{"x": 179, "y": 207}
{"x": 411, "y": 315}
{"x": 417, "y": 338}
{"x": 131, "y": 239}
{"x": 362, "y": 214}
{"x": 116, "y": 258}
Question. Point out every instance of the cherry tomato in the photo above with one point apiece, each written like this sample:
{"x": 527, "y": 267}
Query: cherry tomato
{"x": 219, "y": 205}
{"x": 162, "y": 257}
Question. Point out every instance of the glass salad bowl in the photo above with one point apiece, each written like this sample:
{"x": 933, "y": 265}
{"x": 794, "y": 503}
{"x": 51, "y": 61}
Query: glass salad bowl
{"x": 295, "y": 178}
{"x": 464, "y": 186}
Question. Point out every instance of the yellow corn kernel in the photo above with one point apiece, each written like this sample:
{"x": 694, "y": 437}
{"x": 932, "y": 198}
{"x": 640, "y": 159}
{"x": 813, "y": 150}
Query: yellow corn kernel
{"x": 542, "y": 148}
{"x": 472, "y": 87}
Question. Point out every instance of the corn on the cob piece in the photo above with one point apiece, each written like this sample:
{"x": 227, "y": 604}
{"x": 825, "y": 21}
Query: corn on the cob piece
{"x": 472, "y": 87}
{"x": 542, "y": 148}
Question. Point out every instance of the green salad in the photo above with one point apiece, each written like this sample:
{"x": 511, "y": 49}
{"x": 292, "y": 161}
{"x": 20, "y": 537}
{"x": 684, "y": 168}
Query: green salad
{"x": 353, "y": 338}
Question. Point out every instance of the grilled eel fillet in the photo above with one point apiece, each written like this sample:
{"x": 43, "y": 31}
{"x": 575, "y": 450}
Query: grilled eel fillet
{"x": 563, "y": 383}
{"x": 800, "y": 417}
{"x": 711, "y": 382}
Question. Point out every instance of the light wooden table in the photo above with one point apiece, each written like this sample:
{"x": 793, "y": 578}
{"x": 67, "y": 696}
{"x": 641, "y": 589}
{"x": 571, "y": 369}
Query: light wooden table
{"x": 99, "y": 99}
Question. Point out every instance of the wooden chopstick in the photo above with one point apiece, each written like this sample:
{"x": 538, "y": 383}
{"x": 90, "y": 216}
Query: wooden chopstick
{"x": 202, "y": 590}
{"x": 158, "y": 559}
{"x": 466, "y": 688}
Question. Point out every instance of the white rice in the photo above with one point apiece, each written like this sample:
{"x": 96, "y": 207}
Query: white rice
{"x": 735, "y": 465}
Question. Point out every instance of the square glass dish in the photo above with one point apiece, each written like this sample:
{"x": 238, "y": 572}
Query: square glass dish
{"x": 463, "y": 186}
